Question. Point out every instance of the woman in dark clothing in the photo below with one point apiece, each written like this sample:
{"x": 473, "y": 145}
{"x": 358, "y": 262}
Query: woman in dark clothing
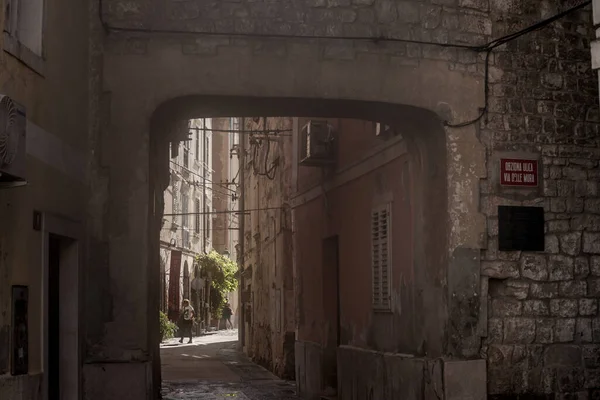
{"x": 186, "y": 320}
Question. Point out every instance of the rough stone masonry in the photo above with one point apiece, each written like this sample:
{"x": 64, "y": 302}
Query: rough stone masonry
{"x": 544, "y": 328}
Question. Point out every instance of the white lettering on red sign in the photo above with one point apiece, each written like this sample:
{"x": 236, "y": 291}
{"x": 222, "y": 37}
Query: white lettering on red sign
{"x": 515, "y": 172}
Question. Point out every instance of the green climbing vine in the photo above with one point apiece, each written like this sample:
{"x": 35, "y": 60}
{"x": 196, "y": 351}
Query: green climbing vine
{"x": 224, "y": 278}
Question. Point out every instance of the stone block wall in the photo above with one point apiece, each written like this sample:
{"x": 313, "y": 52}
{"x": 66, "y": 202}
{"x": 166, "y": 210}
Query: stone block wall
{"x": 543, "y": 332}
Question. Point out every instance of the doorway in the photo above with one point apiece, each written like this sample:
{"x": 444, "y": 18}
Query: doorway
{"x": 61, "y": 309}
{"x": 53, "y": 372}
{"x": 331, "y": 310}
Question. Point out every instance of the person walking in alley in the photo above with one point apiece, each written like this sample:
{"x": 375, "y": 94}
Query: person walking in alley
{"x": 227, "y": 313}
{"x": 186, "y": 320}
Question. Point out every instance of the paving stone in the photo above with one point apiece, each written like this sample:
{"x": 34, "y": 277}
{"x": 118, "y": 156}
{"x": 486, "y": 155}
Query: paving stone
{"x": 253, "y": 383}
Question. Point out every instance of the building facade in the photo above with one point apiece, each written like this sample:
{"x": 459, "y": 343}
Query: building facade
{"x": 44, "y": 81}
{"x": 225, "y": 197}
{"x": 187, "y": 225}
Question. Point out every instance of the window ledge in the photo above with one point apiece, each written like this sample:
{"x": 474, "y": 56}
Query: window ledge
{"x": 15, "y": 48}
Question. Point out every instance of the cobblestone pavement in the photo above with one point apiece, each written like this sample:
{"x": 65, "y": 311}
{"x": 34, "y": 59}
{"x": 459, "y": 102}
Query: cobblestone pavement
{"x": 211, "y": 369}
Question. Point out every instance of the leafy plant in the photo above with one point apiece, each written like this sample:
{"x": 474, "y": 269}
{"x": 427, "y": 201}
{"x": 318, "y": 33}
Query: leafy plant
{"x": 167, "y": 328}
{"x": 224, "y": 278}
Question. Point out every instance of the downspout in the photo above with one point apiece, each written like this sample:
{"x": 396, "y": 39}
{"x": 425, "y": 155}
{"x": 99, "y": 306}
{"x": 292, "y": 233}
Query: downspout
{"x": 242, "y": 238}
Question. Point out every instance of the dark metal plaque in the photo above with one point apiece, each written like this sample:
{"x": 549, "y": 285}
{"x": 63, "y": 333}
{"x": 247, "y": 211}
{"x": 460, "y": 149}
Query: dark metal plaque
{"x": 20, "y": 343}
{"x": 520, "y": 228}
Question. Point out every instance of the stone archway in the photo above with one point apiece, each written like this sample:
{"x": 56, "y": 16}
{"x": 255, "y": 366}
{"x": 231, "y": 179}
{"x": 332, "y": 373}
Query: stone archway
{"x": 147, "y": 91}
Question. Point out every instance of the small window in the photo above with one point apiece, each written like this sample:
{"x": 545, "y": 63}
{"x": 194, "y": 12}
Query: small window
{"x": 206, "y": 159}
{"x": 197, "y": 153}
{"x": 185, "y": 234}
{"x": 381, "y": 232}
{"x": 23, "y": 21}
{"x": 208, "y": 217}
{"x": 184, "y": 211}
{"x": 174, "y": 149}
{"x": 186, "y": 158}
{"x": 197, "y": 216}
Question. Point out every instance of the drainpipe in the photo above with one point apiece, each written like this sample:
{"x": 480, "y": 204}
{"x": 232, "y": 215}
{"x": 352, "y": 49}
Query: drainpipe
{"x": 242, "y": 219}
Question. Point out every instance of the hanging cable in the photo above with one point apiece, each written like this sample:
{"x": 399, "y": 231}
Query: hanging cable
{"x": 486, "y": 89}
{"x": 269, "y": 172}
{"x": 205, "y": 179}
{"x": 224, "y": 212}
{"x": 376, "y": 39}
{"x": 489, "y": 47}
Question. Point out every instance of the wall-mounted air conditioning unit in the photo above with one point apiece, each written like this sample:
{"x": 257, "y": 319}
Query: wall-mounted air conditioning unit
{"x": 13, "y": 158}
{"x": 383, "y": 131}
{"x": 317, "y": 144}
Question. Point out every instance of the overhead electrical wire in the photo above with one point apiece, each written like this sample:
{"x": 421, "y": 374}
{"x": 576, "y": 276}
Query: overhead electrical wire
{"x": 275, "y": 131}
{"x": 375, "y": 39}
{"x": 487, "y": 47}
{"x": 193, "y": 230}
{"x": 226, "y": 212}
{"x": 205, "y": 179}
{"x": 269, "y": 172}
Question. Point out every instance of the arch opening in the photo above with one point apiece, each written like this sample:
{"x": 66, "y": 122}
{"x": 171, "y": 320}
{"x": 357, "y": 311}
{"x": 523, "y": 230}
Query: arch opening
{"x": 413, "y": 174}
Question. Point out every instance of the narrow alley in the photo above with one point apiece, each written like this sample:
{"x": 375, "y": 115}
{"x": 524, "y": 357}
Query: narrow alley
{"x": 382, "y": 199}
{"x": 211, "y": 368}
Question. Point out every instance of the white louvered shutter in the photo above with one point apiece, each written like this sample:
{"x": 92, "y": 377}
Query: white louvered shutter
{"x": 381, "y": 256}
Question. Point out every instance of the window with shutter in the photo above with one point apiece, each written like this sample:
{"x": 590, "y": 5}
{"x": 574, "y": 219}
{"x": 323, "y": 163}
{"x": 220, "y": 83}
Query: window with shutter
{"x": 381, "y": 256}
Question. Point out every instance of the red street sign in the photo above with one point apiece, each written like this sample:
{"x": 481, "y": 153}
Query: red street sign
{"x": 515, "y": 172}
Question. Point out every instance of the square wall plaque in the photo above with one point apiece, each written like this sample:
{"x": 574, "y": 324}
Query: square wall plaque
{"x": 520, "y": 228}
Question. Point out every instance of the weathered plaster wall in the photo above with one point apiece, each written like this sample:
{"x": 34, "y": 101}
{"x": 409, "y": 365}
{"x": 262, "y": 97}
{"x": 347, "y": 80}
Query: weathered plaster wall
{"x": 338, "y": 202}
{"x": 57, "y": 117}
{"x": 268, "y": 242}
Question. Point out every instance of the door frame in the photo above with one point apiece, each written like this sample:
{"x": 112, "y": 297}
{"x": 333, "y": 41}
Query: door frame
{"x": 68, "y": 230}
